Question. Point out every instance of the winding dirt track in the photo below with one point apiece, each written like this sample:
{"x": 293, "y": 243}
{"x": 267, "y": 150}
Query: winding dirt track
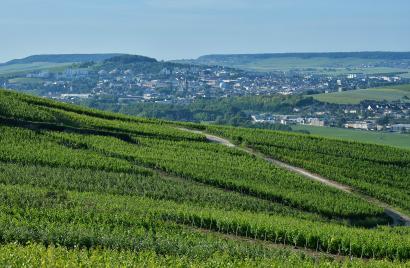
{"x": 398, "y": 217}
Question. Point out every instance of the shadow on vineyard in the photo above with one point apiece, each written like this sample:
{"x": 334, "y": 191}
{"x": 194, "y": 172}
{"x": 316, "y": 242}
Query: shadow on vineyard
{"x": 81, "y": 181}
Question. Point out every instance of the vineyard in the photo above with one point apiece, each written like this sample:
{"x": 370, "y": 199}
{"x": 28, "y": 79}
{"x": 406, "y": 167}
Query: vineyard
{"x": 82, "y": 187}
{"x": 379, "y": 171}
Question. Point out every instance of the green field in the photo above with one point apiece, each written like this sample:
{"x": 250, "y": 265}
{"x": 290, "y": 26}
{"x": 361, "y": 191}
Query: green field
{"x": 350, "y": 70}
{"x": 383, "y": 138}
{"x": 24, "y": 80}
{"x": 316, "y": 65}
{"x": 393, "y": 93}
{"x": 83, "y": 187}
{"x": 29, "y": 67}
{"x": 321, "y": 65}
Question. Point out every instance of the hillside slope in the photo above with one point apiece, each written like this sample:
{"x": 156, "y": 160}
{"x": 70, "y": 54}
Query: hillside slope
{"x": 327, "y": 62}
{"x": 62, "y": 58}
{"x": 131, "y": 191}
{"x": 50, "y": 62}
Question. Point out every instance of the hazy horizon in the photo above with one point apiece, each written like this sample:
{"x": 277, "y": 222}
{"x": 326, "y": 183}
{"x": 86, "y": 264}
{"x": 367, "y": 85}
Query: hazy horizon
{"x": 181, "y": 29}
{"x": 79, "y": 53}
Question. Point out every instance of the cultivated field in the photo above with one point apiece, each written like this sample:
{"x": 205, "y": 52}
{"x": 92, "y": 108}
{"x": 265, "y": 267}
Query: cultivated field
{"x": 82, "y": 187}
{"x": 393, "y": 93}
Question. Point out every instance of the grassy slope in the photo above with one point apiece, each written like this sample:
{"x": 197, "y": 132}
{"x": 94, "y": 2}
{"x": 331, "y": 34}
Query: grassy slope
{"x": 27, "y": 67}
{"x": 393, "y": 93}
{"x": 391, "y": 139}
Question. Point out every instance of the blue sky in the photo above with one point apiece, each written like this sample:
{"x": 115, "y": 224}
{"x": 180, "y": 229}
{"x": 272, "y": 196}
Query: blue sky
{"x": 172, "y": 29}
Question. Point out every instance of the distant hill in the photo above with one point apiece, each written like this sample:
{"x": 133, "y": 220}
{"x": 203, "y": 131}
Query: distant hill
{"x": 336, "y": 62}
{"x": 127, "y": 59}
{"x": 58, "y": 61}
{"x": 63, "y": 58}
{"x": 332, "y": 55}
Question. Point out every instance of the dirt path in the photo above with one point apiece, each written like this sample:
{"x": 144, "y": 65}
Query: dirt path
{"x": 210, "y": 137}
{"x": 398, "y": 217}
{"x": 303, "y": 172}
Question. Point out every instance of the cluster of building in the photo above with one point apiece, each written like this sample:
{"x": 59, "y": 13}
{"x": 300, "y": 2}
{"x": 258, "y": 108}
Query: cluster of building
{"x": 165, "y": 82}
{"x": 373, "y": 126}
{"x": 287, "y": 119}
{"x": 177, "y": 83}
{"x": 368, "y": 115}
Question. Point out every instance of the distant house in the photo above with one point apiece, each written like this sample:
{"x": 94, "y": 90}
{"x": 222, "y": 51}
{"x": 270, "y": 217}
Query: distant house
{"x": 400, "y": 127}
{"x": 298, "y": 120}
{"x": 80, "y": 96}
{"x": 360, "y": 125}
{"x": 316, "y": 122}
{"x": 102, "y": 72}
{"x": 257, "y": 119}
{"x": 114, "y": 71}
{"x": 347, "y": 111}
{"x": 128, "y": 72}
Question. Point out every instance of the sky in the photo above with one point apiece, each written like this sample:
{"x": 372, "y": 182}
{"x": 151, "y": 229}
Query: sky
{"x": 176, "y": 29}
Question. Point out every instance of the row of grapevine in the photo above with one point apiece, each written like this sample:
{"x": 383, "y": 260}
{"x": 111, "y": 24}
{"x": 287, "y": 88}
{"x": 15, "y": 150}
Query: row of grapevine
{"x": 18, "y": 106}
{"x": 230, "y": 169}
{"x": 26, "y": 146}
{"x": 90, "y": 219}
{"x": 379, "y": 171}
{"x": 37, "y": 255}
{"x": 155, "y": 187}
{"x": 167, "y": 197}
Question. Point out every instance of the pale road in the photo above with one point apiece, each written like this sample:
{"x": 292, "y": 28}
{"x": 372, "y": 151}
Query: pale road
{"x": 398, "y": 217}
